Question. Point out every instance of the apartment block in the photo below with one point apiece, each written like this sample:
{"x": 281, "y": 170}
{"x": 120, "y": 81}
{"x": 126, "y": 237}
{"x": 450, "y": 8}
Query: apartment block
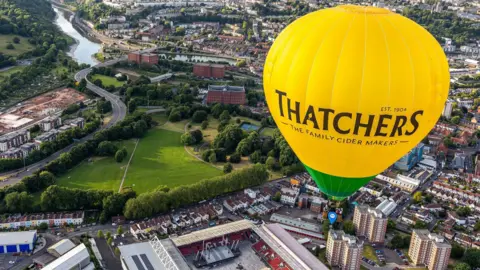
{"x": 343, "y": 250}
{"x": 50, "y": 123}
{"x": 14, "y": 139}
{"x": 429, "y": 249}
{"x": 370, "y": 223}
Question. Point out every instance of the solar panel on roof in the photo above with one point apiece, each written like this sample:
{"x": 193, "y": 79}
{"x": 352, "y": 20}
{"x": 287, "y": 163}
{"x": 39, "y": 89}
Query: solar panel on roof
{"x": 146, "y": 261}
{"x": 137, "y": 262}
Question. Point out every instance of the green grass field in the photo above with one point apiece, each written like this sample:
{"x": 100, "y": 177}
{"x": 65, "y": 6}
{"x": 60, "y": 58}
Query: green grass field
{"x": 99, "y": 173}
{"x": 267, "y": 132}
{"x": 106, "y": 80}
{"x": 6, "y": 73}
{"x": 20, "y": 48}
{"x": 369, "y": 253}
{"x": 160, "y": 159}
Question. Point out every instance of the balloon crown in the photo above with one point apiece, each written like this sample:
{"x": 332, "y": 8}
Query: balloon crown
{"x": 364, "y": 9}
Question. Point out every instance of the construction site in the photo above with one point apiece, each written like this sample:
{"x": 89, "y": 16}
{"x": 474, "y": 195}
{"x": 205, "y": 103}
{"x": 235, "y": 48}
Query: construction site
{"x": 35, "y": 109}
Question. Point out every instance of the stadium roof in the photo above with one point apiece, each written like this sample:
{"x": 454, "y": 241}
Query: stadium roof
{"x": 153, "y": 255}
{"x": 15, "y": 238}
{"x": 292, "y": 252}
{"x": 70, "y": 259}
{"x": 212, "y": 232}
{"x": 62, "y": 246}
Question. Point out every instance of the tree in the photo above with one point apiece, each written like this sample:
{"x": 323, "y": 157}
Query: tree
{"x": 472, "y": 257}
{"x": 391, "y": 225}
{"x": 455, "y": 120}
{"x": 462, "y": 266}
{"x": 228, "y": 138}
{"x": 255, "y": 157}
{"x": 277, "y": 196}
{"x": 197, "y": 135}
{"x": 174, "y": 116}
{"x": 235, "y": 158}
{"x": 119, "y": 156}
{"x": 43, "y": 226}
{"x": 241, "y": 63}
{"x": 106, "y": 148}
{"x": 420, "y": 225}
{"x": 348, "y": 227}
{"x": 100, "y": 234}
{"x": 10, "y": 46}
{"x": 457, "y": 251}
{"x": 227, "y": 167}
{"x": 212, "y": 158}
{"x": 325, "y": 228}
{"x": 225, "y": 116}
{"x": 417, "y": 196}
{"x": 187, "y": 139}
{"x": 397, "y": 241}
{"x": 199, "y": 116}
{"x": 16, "y": 40}
{"x": 18, "y": 202}
{"x": 110, "y": 241}
{"x": 271, "y": 163}
{"x": 108, "y": 235}
{"x": 464, "y": 211}
{"x": 477, "y": 226}
{"x": 120, "y": 229}
{"x": 117, "y": 251}
{"x": 204, "y": 124}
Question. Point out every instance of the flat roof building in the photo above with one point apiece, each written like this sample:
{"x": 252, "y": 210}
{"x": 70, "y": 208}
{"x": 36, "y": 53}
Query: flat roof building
{"x": 429, "y": 249}
{"x": 370, "y": 223}
{"x": 343, "y": 250}
{"x": 297, "y": 223}
{"x": 226, "y": 94}
{"x": 11, "y": 242}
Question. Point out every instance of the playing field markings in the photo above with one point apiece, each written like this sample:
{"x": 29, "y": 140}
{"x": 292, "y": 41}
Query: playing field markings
{"x": 128, "y": 164}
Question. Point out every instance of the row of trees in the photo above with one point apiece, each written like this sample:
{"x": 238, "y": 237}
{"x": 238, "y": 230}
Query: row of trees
{"x": 162, "y": 199}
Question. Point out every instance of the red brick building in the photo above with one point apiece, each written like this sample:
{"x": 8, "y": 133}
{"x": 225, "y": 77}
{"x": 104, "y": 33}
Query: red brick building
{"x": 150, "y": 58}
{"x": 209, "y": 70}
{"x": 226, "y": 94}
{"x": 147, "y": 58}
{"x": 134, "y": 57}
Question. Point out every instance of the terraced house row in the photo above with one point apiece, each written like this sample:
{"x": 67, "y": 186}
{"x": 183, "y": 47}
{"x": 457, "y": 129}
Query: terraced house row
{"x": 33, "y": 220}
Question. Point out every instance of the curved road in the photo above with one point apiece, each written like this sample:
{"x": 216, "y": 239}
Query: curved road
{"x": 119, "y": 111}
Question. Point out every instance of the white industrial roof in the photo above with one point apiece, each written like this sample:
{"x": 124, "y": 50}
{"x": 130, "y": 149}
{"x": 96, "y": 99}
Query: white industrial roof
{"x": 386, "y": 207}
{"x": 15, "y": 238}
{"x": 212, "y": 232}
{"x": 153, "y": 255}
{"x": 62, "y": 246}
{"x": 287, "y": 248}
{"x": 70, "y": 259}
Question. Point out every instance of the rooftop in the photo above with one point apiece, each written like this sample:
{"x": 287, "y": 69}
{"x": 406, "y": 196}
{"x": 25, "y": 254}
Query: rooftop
{"x": 15, "y": 238}
{"x": 212, "y": 232}
{"x": 70, "y": 259}
{"x": 226, "y": 88}
{"x": 62, "y": 246}
{"x": 144, "y": 255}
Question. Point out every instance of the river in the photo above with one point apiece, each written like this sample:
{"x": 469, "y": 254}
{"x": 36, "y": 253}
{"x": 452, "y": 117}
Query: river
{"x": 83, "y": 50}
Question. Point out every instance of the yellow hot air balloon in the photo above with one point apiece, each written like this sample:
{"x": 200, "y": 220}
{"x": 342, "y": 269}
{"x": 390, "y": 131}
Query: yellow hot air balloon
{"x": 352, "y": 89}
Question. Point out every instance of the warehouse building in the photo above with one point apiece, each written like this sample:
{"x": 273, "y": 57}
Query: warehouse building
{"x": 209, "y": 70}
{"x": 77, "y": 258}
{"x": 61, "y": 247}
{"x": 11, "y": 242}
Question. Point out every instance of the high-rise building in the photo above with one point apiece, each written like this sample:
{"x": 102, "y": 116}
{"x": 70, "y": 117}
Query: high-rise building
{"x": 411, "y": 158}
{"x": 343, "y": 250}
{"x": 429, "y": 249}
{"x": 370, "y": 223}
{"x": 447, "y": 110}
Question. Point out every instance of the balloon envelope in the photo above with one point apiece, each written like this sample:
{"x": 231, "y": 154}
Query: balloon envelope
{"x": 352, "y": 89}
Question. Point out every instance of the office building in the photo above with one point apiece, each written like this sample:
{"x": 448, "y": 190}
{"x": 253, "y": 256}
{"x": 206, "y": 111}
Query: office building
{"x": 209, "y": 70}
{"x": 409, "y": 160}
{"x": 370, "y": 223}
{"x": 11, "y": 242}
{"x": 343, "y": 250}
{"x": 429, "y": 249}
{"x": 226, "y": 94}
{"x": 447, "y": 110}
